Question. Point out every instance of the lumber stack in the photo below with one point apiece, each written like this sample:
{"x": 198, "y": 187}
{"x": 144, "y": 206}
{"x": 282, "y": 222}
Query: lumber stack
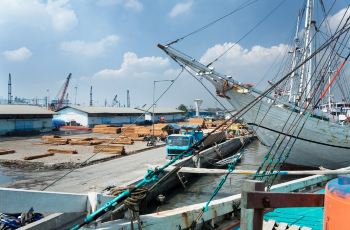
{"x": 124, "y": 140}
{"x": 197, "y": 121}
{"x": 38, "y": 156}
{"x": 6, "y": 151}
{"x": 56, "y": 140}
{"x": 64, "y": 151}
{"x": 86, "y": 141}
{"x": 131, "y": 131}
{"x": 106, "y": 129}
{"x": 111, "y": 149}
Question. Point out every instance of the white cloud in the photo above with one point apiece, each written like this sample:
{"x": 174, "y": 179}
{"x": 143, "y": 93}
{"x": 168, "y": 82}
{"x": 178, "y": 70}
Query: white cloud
{"x": 17, "y": 55}
{"x": 89, "y": 49}
{"x": 135, "y": 67}
{"x": 338, "y": 18}
{"x": 135, "y": 5}
{"x": 245, "y": 65}
{"x": 180, "y": 8}
{"x": 56, "y": 14}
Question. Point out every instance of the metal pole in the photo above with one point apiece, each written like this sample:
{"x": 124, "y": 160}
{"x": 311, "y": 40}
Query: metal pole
{"x": 154, "y": 87}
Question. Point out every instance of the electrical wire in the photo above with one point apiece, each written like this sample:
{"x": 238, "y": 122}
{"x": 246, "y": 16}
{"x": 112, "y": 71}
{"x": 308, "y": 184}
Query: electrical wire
{"x": 100, "y": 150}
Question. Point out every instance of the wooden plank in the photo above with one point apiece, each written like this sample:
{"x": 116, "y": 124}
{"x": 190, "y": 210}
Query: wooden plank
{"x": 64, "y": 151}
{"x": 38, "y": 156}
{"x": 269, "y": 225}
{"x": 6, "y": 151}
{"x": 283, "y": 200}
{"x": 305, "y": 228}
{"x": 282, "y": 226}
{"x": 294, "y": 227}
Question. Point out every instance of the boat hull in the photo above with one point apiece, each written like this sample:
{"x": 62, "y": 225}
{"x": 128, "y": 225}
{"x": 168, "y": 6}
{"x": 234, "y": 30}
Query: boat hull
{"x": 317, "y": 142}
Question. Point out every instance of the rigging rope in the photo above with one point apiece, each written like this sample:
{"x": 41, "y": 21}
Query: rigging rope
{"x": 89, "y": 158}
{"x": 246, "y": 34}
{"x": 152, "y": 176}
{"x": 240, "y": 7}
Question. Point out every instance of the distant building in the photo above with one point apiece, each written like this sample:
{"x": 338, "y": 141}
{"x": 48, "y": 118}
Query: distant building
{"x": 22, "y": 119}
{"x": 90, "y": 116}
{"x": 165, "y": 114}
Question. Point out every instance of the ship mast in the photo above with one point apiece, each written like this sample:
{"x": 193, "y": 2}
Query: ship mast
{"x": 296, "y": 51}
{"x": 306, "y": 70}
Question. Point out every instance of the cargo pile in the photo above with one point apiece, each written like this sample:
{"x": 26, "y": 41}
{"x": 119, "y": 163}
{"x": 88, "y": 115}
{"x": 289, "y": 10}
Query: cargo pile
{"x": 111, "y": 149}
{"x": 106, "y": 129}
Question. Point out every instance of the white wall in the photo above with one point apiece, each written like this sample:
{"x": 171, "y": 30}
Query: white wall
{"x": 38, "y": 124}
{"x": 70, "y": 114}
{"x": 115, "y": 120}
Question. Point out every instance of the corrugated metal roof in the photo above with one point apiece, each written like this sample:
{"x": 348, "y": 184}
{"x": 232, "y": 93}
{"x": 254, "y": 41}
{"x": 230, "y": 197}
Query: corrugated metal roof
{"x": 23, "y": 109}
{"x": 164, "y": 110}
{"x": 111, "y": 110}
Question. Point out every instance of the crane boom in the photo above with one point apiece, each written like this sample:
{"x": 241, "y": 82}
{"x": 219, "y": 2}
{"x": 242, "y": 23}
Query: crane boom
{"x": 63, "y": 92}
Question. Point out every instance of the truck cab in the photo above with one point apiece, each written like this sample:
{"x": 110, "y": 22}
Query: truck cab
{"x": 178, "y": 143}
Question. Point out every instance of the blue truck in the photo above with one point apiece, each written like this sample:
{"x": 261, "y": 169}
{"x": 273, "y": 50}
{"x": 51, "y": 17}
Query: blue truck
{"x": 178, "y": 143}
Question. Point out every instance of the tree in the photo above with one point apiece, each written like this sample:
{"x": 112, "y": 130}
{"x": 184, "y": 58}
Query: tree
{"x": 183, "y": 108}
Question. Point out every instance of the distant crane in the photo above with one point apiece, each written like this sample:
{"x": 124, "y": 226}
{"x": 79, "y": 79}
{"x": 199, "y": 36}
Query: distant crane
{"x": 62, "y": 93}
{"x": 115, "y": 100}
{"x": 127, "y": 98}
{"x": 91, "y": 96}
{"x": 9, "y": 90}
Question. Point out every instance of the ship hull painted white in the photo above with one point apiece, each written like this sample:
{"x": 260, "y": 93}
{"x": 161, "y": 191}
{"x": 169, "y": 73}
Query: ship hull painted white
{"x": 319, "y": 143}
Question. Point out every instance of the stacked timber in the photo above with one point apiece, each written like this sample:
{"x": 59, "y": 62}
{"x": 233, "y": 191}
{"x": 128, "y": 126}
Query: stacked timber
{"x": 197, "y": 121}
{"x": 124, "y": 140}
{"x": 6, "y": 151}
{"x": 106, "y": 129}
{"x": 130, "y": 131}
{"x": 64, "y": 151}
{"x": 55, "y": 140}
{"x": 86, "y": 141}
{"x": 111, "y": 149}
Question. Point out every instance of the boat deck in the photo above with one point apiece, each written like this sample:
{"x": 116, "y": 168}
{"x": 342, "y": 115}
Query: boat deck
{"x": 311, "y": 217}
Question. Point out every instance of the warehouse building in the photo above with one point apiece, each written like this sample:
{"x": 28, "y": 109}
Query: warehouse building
{"x": 165, "y": 115}
{"x": 24, "y": 119}
{"x": 90, "y": 116}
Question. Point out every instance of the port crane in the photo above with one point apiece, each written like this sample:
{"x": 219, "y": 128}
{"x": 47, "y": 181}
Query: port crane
{"x": 58, "y": 103}
{"x": 115, "y": 100}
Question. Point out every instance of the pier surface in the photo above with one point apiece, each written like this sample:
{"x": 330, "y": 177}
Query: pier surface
{"x": 94, "y": 177}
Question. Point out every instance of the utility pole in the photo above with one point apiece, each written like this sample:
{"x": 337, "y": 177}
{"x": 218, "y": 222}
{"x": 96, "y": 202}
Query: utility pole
{"x": 9, "y": 100}
{"x": 91, "y": 96}
{"x": 127, "y": 98}
{"x": 75, "y": 97}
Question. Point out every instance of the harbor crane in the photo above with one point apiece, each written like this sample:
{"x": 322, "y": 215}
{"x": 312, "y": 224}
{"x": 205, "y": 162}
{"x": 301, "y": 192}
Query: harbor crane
{"x": 115, "y": 100}
{"x": 61, "y": 94}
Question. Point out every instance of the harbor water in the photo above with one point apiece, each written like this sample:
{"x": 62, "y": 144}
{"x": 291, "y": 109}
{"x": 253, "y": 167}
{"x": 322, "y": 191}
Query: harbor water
{"x": 202, "y": 188}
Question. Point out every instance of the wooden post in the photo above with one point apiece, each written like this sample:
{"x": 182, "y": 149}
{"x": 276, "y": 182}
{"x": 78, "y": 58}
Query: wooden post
{"x": 251, "y": 219}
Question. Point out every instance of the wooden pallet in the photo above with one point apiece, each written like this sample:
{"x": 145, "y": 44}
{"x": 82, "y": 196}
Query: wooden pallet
{"x": 273, "y": 225}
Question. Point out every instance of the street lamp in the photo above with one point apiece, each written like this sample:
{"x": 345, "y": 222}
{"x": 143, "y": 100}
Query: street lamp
{"x": 154, "y": 90}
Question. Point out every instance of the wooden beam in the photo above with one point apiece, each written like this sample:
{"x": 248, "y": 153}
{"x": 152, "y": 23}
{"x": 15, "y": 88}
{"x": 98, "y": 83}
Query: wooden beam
{"x": 37, "y": 156}
{"x": 283, "y": 200}
{"x": 252, "y": 172}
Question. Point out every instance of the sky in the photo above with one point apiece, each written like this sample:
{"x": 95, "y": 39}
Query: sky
{"x": 112, "y": 45}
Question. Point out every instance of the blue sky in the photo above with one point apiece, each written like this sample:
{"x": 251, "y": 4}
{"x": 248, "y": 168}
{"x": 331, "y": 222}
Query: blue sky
{"x": 111, "y": 44}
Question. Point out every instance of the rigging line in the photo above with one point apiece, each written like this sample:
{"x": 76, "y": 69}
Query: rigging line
{"x": 275, "y": 152}
{"x": 82, "y": 163}
{"x": 240, "y": 7}
{"x": 152, "y": 176}
{"x": 297, "y": 137}
{"x": 246, "y": 34}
